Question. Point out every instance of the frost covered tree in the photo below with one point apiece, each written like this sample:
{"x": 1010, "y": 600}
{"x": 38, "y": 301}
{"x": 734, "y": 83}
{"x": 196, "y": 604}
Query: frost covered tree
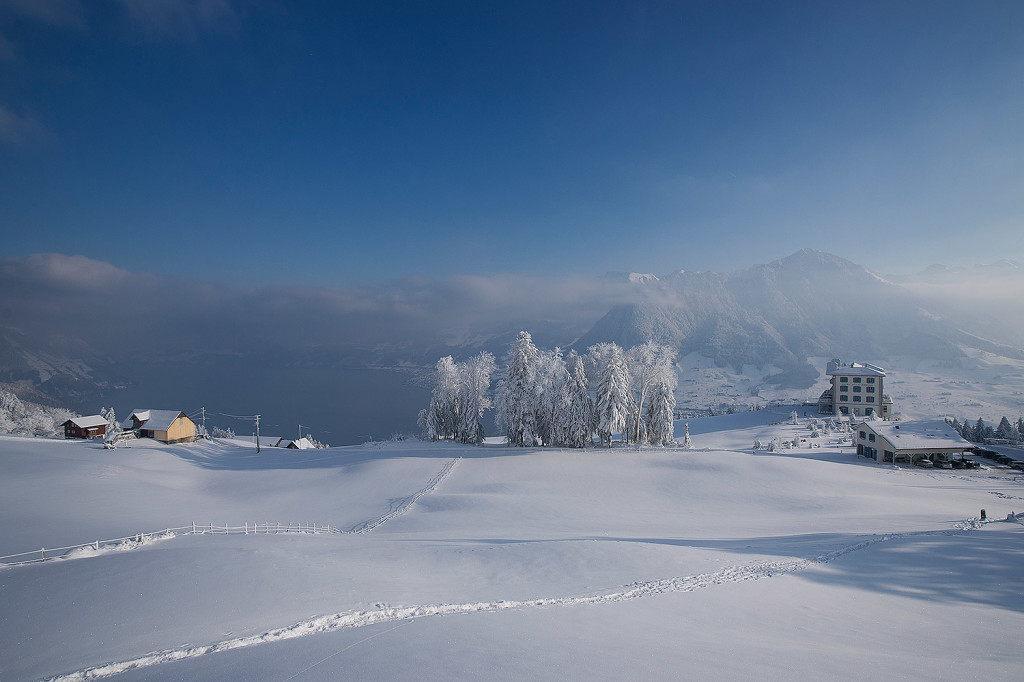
{"x": 442, "y": 416}
{"x": 978, "y": 433}
{"x": 113, "y": 427}
{"x": 1006, "y": 430}
{"x": 474, "y": 378}
{"x": 574, "y": 410}
{"x": 614, "y": 401}
{"x": 25, "y": 418}
{"x": 550, "y": 378}
{"x": 660, "y": 408}
{"x": 1020, "y": 428}
{"x": 650, "y": 364}
{"x": 516, "y": 399}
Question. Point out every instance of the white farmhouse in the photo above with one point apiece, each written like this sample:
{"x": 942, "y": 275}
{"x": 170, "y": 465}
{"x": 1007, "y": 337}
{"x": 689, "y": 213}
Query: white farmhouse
{"x": 857, "y": 390}
{"x": 908, "y": 441}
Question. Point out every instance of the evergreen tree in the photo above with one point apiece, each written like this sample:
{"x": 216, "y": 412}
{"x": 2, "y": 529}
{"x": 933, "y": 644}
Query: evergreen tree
{"x": 614, "y": 403}
{"x": 978, "y": 433}
{"x": 1006, "y": 430}
{"x": 574, "y": 410}
{"x": 551, "y": 377}
{"x": 443, "y": 414}
{"x": 516, "y": 400}
{"x": 660, "y": 407}
{"x": 474, "y": 383}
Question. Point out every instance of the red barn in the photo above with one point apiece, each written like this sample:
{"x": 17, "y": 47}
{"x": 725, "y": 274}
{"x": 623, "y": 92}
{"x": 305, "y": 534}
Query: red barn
{"x": 93, "y": 426}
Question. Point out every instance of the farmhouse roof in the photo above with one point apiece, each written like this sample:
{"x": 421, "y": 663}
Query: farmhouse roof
{"x": 88, "y": 422}
{"x": 154, "y": 420}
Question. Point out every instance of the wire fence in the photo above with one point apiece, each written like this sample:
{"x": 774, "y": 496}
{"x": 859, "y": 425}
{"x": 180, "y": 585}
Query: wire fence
{"x": 134, "y": 541}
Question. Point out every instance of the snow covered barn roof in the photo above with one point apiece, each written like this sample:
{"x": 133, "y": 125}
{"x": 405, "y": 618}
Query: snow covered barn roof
{"x": 918, "y": 435}
{"x": 153, "y": 420}
{"x": 299, "y": 444}
{"x": 89, "y": 422}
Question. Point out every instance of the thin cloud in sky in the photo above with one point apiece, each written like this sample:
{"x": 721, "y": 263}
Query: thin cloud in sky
{"x": 20, "y": 130}
{"x": 183, "y": 20}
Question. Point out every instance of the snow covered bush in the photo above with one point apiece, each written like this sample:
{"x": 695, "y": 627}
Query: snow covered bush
{"x": 221, "y": 433}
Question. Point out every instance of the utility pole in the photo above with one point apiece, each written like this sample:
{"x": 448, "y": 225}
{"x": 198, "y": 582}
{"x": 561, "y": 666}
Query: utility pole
{"x": 204, "y": 419}
{"x": 300, "y": 431}
{"x": 257, "y": 434}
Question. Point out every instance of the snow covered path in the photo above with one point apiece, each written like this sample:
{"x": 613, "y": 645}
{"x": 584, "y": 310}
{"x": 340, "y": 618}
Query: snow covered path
{"x": 356, "y": 619}
{"x": 401, "y": 505}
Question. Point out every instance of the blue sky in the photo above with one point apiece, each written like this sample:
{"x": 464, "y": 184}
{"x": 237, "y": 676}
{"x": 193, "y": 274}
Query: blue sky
{"x": 344, "y": 142}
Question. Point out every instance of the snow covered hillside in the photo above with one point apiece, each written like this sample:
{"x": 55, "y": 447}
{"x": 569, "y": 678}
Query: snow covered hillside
{"x": 461, "y": 562}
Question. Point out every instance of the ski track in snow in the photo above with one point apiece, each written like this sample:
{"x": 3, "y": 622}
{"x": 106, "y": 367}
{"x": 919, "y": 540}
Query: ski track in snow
{"x": 397, "y": 507}
{"x": 401, "y": 505}
{"x": 388, "y": 614}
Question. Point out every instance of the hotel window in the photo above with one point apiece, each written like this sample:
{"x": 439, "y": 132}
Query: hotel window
{"x": 871, "y": 437}
{"x": 856, "y": 389}
{"x": 871, "y": 380}
{"x": 870, "y": 389}
{"x": 844, "y": 379}
{"x": 856, "y": 398}
{"x": 856, "y": 380}
{"x": 863, "y": 435}
{"x": 870, "y": 399}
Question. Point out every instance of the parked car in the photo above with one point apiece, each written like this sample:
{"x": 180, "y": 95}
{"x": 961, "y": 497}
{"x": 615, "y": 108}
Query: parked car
{"x": 924, "y": 463}
{"x": 1019, "y": 466}
{"x": 971, "y": 464}
{"x": 942, "y": 464}
{"x": 959, "y": 464}
{"x": 1003, "y": 459}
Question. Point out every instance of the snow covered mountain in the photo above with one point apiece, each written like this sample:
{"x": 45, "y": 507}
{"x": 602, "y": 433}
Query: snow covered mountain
{"x": 807, "y": 305}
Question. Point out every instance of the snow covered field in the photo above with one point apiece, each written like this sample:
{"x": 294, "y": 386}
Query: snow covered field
{"x": 459, "y": 562}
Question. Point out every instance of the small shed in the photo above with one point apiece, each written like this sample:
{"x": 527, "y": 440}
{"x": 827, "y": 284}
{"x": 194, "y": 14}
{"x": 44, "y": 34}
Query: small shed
{"x": 166, "y": 426}
{"x": 93, "y": 426}
{"x": 298, "y": 444}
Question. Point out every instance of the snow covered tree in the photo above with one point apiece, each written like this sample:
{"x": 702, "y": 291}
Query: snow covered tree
{"x": 1020, "y": 428}
{"x": 660, "y": 407}
{"x": 516, "y": 400}
{"x": 1006, "y": 430}
{"x": 551, "y": 377}
{"x": 687, "y": 443}
{"x": 978, "y": 433}
{"x": 574, "y": 410}
{"x": 443, "y": 414}
{"x": 474, "y": 382}
{"x": 650, "y": 364}
{"x": 113, "y": 427}
{"x": 614, "y": 403}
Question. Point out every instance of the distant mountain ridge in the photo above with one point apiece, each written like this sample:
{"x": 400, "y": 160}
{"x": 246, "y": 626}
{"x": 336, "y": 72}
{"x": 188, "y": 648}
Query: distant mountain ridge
{"x": 809, "y": 304}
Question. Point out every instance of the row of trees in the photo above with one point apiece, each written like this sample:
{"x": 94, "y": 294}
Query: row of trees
{"x": 25, "y": 418}
{"x": 547, "y": 398}
{"x": 980, "y": 432}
